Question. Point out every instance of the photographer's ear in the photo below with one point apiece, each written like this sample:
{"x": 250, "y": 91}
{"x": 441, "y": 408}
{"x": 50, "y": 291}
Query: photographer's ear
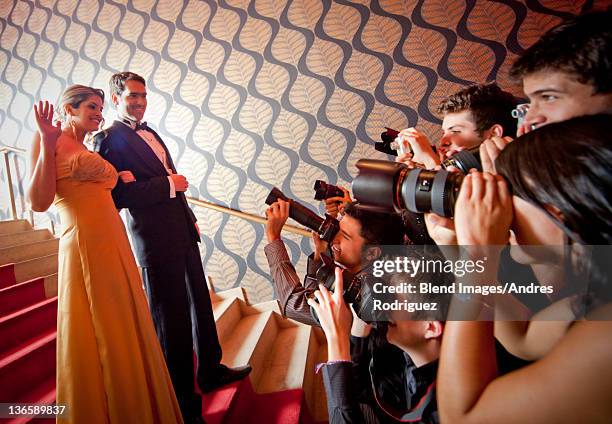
{"x": 496, "y": 130}
{"x": 372, "y": 253}
{"x": 433, "y": 329}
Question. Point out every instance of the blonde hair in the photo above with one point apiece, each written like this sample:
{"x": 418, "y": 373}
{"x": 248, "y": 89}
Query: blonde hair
{"x": 74, "y": 96}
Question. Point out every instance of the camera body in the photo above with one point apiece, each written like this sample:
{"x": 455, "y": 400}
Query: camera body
{"x": 357, "y": 289}
{"x": 325, "y": 191}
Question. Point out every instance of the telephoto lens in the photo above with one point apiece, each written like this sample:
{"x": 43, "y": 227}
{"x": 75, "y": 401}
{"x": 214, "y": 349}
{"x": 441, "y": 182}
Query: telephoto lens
{"x": 394, "y": 186}
{"x": 325, "y": 191}
{"x": 464, "y": 160}
{"x": 327, "y": 228}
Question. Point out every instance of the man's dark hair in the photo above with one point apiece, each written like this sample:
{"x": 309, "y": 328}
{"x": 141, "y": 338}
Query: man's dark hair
{"x": 117, "y": 81}
{"x": 580, "y": 47}
{"x": 488, "y": 104}
{"x": 377, "y": 228}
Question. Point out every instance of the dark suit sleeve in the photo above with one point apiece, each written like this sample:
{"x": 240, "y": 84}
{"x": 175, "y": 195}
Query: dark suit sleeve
{"x": 139, "y": 193}
{"x": 342, "y": 404}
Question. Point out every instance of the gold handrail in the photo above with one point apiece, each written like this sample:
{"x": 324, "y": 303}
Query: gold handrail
{"x": 244, "y": 215}
{"x": 5, "y": 150}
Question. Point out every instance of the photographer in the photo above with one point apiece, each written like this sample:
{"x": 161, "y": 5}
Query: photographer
{"x": 403, "y": 386}
{"x": 470, "y": 116}
{"x": 573, "y": 193}
{"x": 565, "y": 74}
{"x": 359, "y": 227}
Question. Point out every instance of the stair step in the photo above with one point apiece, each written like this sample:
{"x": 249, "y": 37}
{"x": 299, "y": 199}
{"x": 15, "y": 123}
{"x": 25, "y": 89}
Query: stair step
{"x": 236, "y": 292}
{"x": 318, "y": 408}
{"x": 43, "y": 394}
{"x": 7, "y": 275}
{"x": 250, "y": 333}
{"x": 271, "y": 305}
{"x": 27, "y": 367}
{"x": 247, "y": 343}
{"x": 37, "y": 267}
{"x": 14, "y": 226}
{"x": 24, "y": 252}
{"x": 21, "y": 295}
{"x": 26, "y": 325}
{"x": 285, "y": 365}
{"x": 24, "y": 237}
{"x": 227, "y": 314}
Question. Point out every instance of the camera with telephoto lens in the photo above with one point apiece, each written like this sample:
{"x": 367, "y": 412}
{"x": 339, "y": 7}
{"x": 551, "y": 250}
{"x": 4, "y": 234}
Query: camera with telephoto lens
{"x": 395, "y": 187}
{"x": 325, "y": 191}
{"x": 327, "y": 228}
{"x": 464, "y": 160}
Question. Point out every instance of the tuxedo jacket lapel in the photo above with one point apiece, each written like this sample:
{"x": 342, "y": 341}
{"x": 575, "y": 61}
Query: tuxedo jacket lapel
{"x": 138, "y": 145}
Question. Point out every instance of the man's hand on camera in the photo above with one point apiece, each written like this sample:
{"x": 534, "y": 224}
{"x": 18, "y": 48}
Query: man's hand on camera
{"x": 320, "y": 246}
{"x": 335, "y": 205}
{"x": 422, "y": 152}
{"x": 180, "y": 182}
{"x": 277, "y": 215}
{"x": 441, "y": 229}
{"x": 490, "y": 150}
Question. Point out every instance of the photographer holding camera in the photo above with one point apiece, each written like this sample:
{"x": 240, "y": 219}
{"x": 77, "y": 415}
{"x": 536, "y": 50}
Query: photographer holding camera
{"x": 471, "y": 116}
{"x": 355, "y": 246}
{"x": 567, "y": 199}
{"x": 403, "y": 379}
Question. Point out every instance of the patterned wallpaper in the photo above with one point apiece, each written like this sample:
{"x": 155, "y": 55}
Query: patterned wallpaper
{"x": 254, "y": 94}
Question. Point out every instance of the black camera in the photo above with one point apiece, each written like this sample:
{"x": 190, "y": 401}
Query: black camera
{"x": 325, "y": 191}
{"x": 357, "y": 289}
{"x": 327, "y": 228}
{"x": 394, "y": 186}
{"x": 464, "y": 160}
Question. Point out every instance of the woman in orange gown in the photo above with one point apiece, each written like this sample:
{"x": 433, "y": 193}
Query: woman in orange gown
{"x": 110, "y": 368}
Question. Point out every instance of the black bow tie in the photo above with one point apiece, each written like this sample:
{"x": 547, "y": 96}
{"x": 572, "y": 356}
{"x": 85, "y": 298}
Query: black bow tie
{"x": 141, "y": 126}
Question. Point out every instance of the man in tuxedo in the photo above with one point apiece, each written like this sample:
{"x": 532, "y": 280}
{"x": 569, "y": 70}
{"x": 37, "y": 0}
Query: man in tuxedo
{"x": 165, "y": 238}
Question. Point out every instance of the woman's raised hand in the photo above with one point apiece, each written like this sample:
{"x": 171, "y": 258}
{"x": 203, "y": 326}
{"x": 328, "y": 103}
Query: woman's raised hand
{"x": 49, "y": 133}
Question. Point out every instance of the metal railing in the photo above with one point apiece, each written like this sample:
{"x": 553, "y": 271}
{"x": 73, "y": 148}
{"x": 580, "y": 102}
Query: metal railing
{"x": 6, "y": 151}
{"x": 245, "y": 215}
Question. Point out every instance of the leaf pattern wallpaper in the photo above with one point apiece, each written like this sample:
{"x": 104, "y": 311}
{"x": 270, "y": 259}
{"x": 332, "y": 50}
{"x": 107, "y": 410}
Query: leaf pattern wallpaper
{"x": 254, "y": 94}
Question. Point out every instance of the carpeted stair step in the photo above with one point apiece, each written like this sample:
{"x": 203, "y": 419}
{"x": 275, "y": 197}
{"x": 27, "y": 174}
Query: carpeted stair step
{"x": 42, "y": 394}
{"x": 24, "y": 237}
{"x": 28, "y": 367}
{"x": 27, "y": 251}
{"x": 23, "y": 327}
{"x": 18, "y": 296}
{"x": 14, "y": 226}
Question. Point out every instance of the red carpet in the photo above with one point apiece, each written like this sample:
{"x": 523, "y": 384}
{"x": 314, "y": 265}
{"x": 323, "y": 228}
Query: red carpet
{"x": 27, "y": 364}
